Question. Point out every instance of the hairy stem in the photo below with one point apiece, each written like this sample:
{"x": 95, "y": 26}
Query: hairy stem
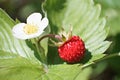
{"x": 52, "y": 36}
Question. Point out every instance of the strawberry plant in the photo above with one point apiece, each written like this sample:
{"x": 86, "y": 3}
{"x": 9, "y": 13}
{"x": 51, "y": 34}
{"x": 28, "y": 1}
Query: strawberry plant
{"x": 25, "y": 48}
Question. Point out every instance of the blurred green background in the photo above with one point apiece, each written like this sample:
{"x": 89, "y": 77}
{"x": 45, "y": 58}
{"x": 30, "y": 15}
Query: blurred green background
{"x": 20, "y": 9}
{"x": 108, "y": 69}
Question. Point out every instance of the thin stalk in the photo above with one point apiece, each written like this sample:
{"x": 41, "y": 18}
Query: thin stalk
{"x": 102, "y": 59}
{"x": 41, "y": 53}
{"x": 52, "y": 36}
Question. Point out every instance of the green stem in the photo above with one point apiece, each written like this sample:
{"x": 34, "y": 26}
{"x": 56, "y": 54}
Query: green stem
{"x": 41, "y": 53}
{"x": 52, "y": 36}
{"x": 102, "y": 59}
{"x": 40, "y": 50}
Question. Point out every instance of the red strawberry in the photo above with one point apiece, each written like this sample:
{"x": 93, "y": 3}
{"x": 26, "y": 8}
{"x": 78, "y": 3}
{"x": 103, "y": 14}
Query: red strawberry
{"x": 72, "y": 50}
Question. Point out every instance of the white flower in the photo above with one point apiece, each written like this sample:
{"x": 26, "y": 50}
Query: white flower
{"x": 33, "y": 28}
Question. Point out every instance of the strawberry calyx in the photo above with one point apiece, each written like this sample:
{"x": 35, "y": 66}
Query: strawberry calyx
{"x": 61, "y": 38}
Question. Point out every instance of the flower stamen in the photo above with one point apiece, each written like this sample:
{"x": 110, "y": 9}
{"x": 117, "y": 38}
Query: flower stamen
{"x": 30, "y": 29}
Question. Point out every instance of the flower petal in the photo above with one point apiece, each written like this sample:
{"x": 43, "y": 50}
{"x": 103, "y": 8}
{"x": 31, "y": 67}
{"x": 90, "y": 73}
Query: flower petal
{"x": 34, "y": 35}
{"x": 18, "y": 31}
{"x": 34, "y": 19}
{"x": 23, "y": 37}
{"x": 18, "y": 28}
{"x": 43, "y": 23}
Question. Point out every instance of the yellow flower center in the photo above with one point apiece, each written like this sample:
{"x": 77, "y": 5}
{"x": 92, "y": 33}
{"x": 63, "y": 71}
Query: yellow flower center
{"x": 30, "y": 29}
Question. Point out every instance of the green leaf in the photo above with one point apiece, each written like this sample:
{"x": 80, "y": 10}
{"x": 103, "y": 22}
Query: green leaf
{"x": 111, "y": 9}
{"x": 87, "y": 60}
{"x": 85, "y": 19}
{"x": 10, "y": 44}
{"x": 62, "y": 72}
{"x": 84, "y": 74}
{"x": 76, "y": 71}
{"x": 67, "y": 72}
{"x": 15, "y": 67}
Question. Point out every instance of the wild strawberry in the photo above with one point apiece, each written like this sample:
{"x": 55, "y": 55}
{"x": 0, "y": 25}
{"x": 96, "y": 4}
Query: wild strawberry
{"x": 72, "y": 50}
